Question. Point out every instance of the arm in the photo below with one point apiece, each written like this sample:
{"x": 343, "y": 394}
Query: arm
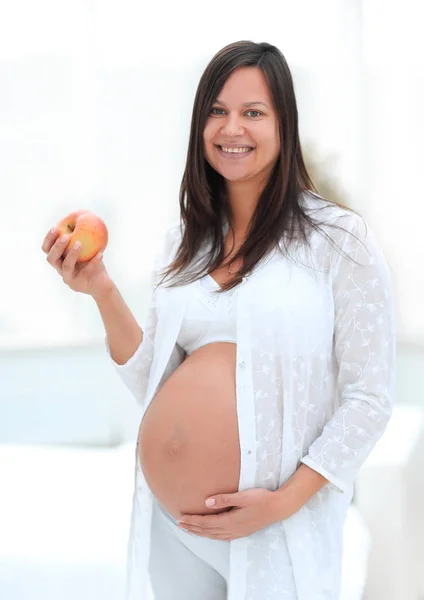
{"x": 365, "y": 350}
{"x": 365, "y": 353}
{"x": 123, "y": 333}
{"x": 133, "y": 347}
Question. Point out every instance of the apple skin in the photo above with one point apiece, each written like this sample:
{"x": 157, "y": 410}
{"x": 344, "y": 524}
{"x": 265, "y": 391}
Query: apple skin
{"x": 86, "y": 227}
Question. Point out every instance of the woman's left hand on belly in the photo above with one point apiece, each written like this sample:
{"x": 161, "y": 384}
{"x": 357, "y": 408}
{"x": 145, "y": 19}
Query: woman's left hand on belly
{"x": 253, "y": 509}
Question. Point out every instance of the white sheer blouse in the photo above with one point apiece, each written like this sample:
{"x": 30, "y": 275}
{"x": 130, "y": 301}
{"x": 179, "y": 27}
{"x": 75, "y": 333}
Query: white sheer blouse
{"x": 315, "y": 384}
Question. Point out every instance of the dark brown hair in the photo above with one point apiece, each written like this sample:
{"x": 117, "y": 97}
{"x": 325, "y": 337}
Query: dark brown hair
{"x": 203, "y": 201}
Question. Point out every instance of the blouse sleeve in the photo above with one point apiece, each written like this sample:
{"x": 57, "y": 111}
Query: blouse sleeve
{"x": 135, "y": 372}
{"x": 365, "y": 353}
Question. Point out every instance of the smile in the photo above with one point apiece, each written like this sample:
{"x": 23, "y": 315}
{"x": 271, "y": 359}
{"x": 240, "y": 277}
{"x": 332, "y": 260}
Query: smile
{"x": 234, "y": 153}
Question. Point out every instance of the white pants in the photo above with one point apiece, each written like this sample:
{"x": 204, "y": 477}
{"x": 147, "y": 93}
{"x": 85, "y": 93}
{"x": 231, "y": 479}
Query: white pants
{"x": 184, "y": 566}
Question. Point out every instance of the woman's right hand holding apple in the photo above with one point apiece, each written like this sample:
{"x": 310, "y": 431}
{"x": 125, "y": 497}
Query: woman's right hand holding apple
{"x": 88, "y": 278}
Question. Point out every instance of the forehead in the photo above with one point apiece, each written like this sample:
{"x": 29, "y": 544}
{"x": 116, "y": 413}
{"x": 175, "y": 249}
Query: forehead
{"x": 246, "y": 84}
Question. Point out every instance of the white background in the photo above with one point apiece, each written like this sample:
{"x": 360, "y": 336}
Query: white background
{"x": 95, "y": 108}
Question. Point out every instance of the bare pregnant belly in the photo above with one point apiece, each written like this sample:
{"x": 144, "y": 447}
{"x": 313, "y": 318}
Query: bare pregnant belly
{"x": 188, "y": 439}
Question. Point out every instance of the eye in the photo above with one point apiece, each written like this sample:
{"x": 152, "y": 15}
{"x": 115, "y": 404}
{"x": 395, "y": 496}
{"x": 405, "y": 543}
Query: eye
{"x": 258, "y": 114}
{"x": 253, "y": 113}
{"x": 215, "y": 108}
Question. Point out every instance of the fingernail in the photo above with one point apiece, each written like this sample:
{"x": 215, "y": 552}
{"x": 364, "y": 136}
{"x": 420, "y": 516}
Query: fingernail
{"x": 63, "y": 238}
{"x": 99, "y": 255}
{"x": 53, "y": 230}
{"x": 77, "y": 245}
{"x": 210, "y": 502}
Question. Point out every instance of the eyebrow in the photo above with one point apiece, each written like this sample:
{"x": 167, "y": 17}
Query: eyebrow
{"x": 246, "y": 104}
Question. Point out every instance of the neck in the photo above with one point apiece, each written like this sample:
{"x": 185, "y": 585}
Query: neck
{"x": 242, "y": 199}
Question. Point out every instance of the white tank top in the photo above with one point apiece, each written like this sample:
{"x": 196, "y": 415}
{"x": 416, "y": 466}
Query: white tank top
{"x": 209, "y": 316}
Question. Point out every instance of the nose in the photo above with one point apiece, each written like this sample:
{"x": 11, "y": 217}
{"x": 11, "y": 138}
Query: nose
{"x": 232, "y": 126}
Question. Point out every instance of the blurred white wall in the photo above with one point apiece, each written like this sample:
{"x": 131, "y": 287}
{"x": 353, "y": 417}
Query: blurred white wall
{"x": 393, "y": 149}
{"x": 95, "y": 106}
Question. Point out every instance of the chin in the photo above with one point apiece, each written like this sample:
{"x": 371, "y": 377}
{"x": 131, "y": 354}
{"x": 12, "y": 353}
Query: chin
{"x": 231, "y": 173}
{"x": 234, "y": 179}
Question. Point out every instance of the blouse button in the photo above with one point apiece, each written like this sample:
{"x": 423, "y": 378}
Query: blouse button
{"x": 242, "y": 363}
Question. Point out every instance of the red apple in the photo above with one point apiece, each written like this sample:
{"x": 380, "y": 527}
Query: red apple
{"x": 86, "y": 227}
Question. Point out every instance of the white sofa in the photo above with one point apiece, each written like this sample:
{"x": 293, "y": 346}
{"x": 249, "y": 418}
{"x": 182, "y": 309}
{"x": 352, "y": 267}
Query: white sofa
{"x": 64, "y": 514}
{"x": 390, "y": 496}
{"x": 67, "y": 431}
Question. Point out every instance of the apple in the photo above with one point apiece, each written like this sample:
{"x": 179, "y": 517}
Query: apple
{"x": 86, "y": 227}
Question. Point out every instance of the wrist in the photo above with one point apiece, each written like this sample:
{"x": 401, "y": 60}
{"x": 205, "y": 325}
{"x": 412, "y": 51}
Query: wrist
{"x": 296, "y": 491}
{"x": 105, "y": 293}
{"x": 282, "y": 504}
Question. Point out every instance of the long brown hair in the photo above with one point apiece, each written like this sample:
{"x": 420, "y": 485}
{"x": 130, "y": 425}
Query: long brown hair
{"x": 203, "y": 201}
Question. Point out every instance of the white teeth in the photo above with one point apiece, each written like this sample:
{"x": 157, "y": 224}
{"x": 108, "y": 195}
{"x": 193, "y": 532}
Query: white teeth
{"x": 235, "y": 150}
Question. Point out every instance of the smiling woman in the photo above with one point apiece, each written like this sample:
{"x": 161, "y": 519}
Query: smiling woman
{"x": 259, "y": 369}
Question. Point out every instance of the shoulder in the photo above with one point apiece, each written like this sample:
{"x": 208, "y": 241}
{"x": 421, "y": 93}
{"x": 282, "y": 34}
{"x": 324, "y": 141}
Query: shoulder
{"x": 167, "y": 242}
{"x": 174, "y": 234}
{"x": 342, "y": 235}
{"x": 175, "y": 228}
{"x": 326, "y": 211}
{"x": 338, "y": 223}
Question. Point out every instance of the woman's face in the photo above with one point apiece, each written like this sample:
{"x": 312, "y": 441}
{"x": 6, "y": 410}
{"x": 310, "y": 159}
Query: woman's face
{"x": 241, "y": 136}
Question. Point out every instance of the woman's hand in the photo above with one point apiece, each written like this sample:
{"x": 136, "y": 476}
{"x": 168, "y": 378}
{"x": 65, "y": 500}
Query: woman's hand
{"x": 88, "y": 278}
{"x": 253, "y": 509}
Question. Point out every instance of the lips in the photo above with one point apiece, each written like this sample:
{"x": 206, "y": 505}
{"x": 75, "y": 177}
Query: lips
{"x": 234, "y": 155}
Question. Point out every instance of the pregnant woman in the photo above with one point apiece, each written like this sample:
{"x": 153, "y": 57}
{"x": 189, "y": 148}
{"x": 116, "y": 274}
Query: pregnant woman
{"x": 265, "y": 364}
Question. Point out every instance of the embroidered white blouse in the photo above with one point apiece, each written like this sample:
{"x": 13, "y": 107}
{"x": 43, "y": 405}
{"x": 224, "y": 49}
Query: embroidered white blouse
{"x": 315, "y": 380}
